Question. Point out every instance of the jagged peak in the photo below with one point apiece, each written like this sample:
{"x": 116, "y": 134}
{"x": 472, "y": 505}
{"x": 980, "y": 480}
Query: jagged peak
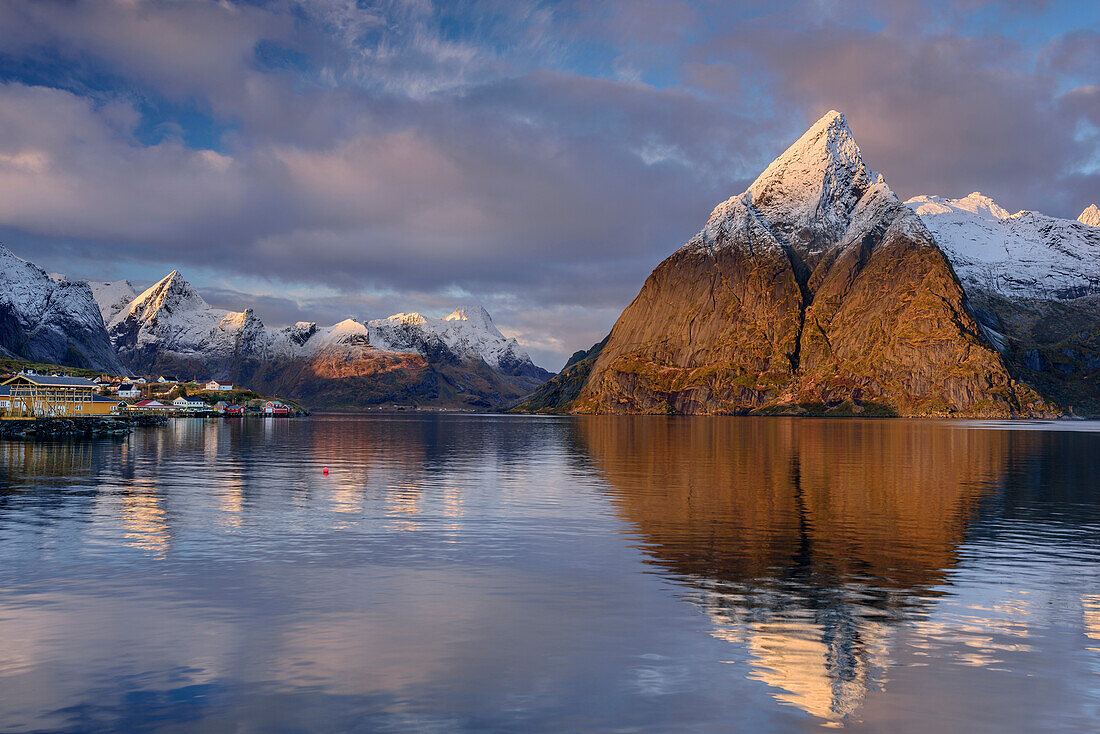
{"x": 476, "y": 315}
{"x": 826, "y": 151}
{"x": 171, "y": 293}
{"x": 412, "y": 317}
{"x": 806, "y": 197}
{"x": 1090, "y": 216}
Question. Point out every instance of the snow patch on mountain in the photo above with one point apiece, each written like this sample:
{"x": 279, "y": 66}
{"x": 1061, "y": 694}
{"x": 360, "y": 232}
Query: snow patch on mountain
{"x": 50, "y": 319}
{"x": 1025, "y": 254}
{"x": 112, "y": 297}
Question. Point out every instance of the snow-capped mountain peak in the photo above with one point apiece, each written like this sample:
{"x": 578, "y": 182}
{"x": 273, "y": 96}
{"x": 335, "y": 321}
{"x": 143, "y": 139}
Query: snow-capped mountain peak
{"x": 976, "y": 203}
{"x": 412, "y": 317}
{"x": 818, "y": 195}
{"x": 1091, "y": 216}
{"x": 171, "y": 294}
{"x": 814, "y": 185}
{"x": 1024, "y": 254}
{"x": 476, "y": 316}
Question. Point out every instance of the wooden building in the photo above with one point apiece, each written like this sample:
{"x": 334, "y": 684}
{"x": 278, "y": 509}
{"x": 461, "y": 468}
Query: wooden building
{"x": 45, "y": 396}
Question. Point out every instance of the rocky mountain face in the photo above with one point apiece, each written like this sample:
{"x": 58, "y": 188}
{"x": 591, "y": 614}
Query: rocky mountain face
{"x": 1090, "y": 216}
{"x": 816, "y": 290}
{"x": 461, "y": 360}
{"x": 50, "y": 319}
{"x": 560, "y": 392}
{"x": 1034, "y": 284}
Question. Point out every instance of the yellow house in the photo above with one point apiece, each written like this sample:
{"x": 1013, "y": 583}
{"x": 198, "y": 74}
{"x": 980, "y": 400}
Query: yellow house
{"x": 44, "y": 396}
{"x": 103, "y": 405}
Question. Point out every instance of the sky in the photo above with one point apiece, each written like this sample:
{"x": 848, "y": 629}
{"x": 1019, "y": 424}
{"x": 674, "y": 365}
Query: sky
{"x": 324, "y": 159}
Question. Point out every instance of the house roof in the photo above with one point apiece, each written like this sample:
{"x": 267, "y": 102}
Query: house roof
{"x": 103, "y": 399}
{"x": 47, "y": 381}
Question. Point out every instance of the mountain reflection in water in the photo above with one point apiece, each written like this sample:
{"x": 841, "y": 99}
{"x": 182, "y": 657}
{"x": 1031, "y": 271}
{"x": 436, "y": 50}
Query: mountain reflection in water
{"x": 809, "y": 542}
{"x": 500, "y": 573}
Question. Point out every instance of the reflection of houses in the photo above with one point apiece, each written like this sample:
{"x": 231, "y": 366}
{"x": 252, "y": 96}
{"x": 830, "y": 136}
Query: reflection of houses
{"x": 49, "y": 396}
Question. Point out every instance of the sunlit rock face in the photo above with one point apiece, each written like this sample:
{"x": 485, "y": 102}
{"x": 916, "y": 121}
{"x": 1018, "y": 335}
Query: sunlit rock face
{"x": 808, "y": 544}
{"x": 816, "y": 290}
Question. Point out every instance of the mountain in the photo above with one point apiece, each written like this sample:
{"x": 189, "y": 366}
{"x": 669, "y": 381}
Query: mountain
{"x": 559, "y": 393}
{"x": 461, "y": 360}
{"x": 50, "y": 318}
{"x": 1021, "y": 255}
{"x": 112, "y": 297}
{"x": 1090, "y": 216}
{"x": 814, "y": 291}
{"x": 1034, "y": 283}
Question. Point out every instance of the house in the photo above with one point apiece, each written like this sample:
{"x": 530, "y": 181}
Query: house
{"x": 215, "y": 385}
{"x": 274, "y": 407}
{"x": 234, "y": 410}
{"x": 102, "y": 405}
{"x": 128, "y": 390}
{"x": 152, "y": 406}
{"x": 5, "y": 398}
{"x": 162, "y": 379}
{"x": 189, "y": 404}
{"x": 140, "y": 381}
{"x": 39, "y": 395}
{"x": 220, "y": 406}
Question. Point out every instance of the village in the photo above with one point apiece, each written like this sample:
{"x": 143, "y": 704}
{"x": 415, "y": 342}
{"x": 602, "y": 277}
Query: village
{"x": 27, "y": 394}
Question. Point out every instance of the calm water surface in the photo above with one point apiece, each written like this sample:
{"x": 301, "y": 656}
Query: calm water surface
{"x": 490, "y": 573}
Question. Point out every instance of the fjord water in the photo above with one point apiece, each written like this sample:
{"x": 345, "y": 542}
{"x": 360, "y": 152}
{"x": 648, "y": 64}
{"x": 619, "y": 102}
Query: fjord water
{"x": 495, "y": 573}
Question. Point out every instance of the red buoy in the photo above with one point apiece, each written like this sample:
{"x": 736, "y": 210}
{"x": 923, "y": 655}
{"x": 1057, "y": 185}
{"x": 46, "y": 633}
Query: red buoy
{"x": 325, "y": 471}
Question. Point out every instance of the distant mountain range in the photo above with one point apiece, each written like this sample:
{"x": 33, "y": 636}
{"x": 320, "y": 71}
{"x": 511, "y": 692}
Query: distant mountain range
{"x": 816, "y": 291}
{"x": 459, "y": 361}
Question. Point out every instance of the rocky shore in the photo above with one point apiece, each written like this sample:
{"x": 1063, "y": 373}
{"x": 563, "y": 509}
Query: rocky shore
{"x": 68, "y": 428}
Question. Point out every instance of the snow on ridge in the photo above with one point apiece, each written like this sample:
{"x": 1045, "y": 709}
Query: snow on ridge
{"x": 51, "y": 315}
{"x": 468, "y": 331}
{"x": 1090, "y": 216}
{"x": 171, "y": 315}
{"x": 112, "y": 297}
{"x": 1026, "y": 254}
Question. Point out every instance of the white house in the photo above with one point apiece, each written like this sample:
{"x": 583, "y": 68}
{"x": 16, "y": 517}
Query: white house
{"x": 128, "y": 390}
{"x": 189, "y": 403}
{"x": 215, "y": 385}
{"x": 140, "y": 381}
{"x": 162, "y": 379}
